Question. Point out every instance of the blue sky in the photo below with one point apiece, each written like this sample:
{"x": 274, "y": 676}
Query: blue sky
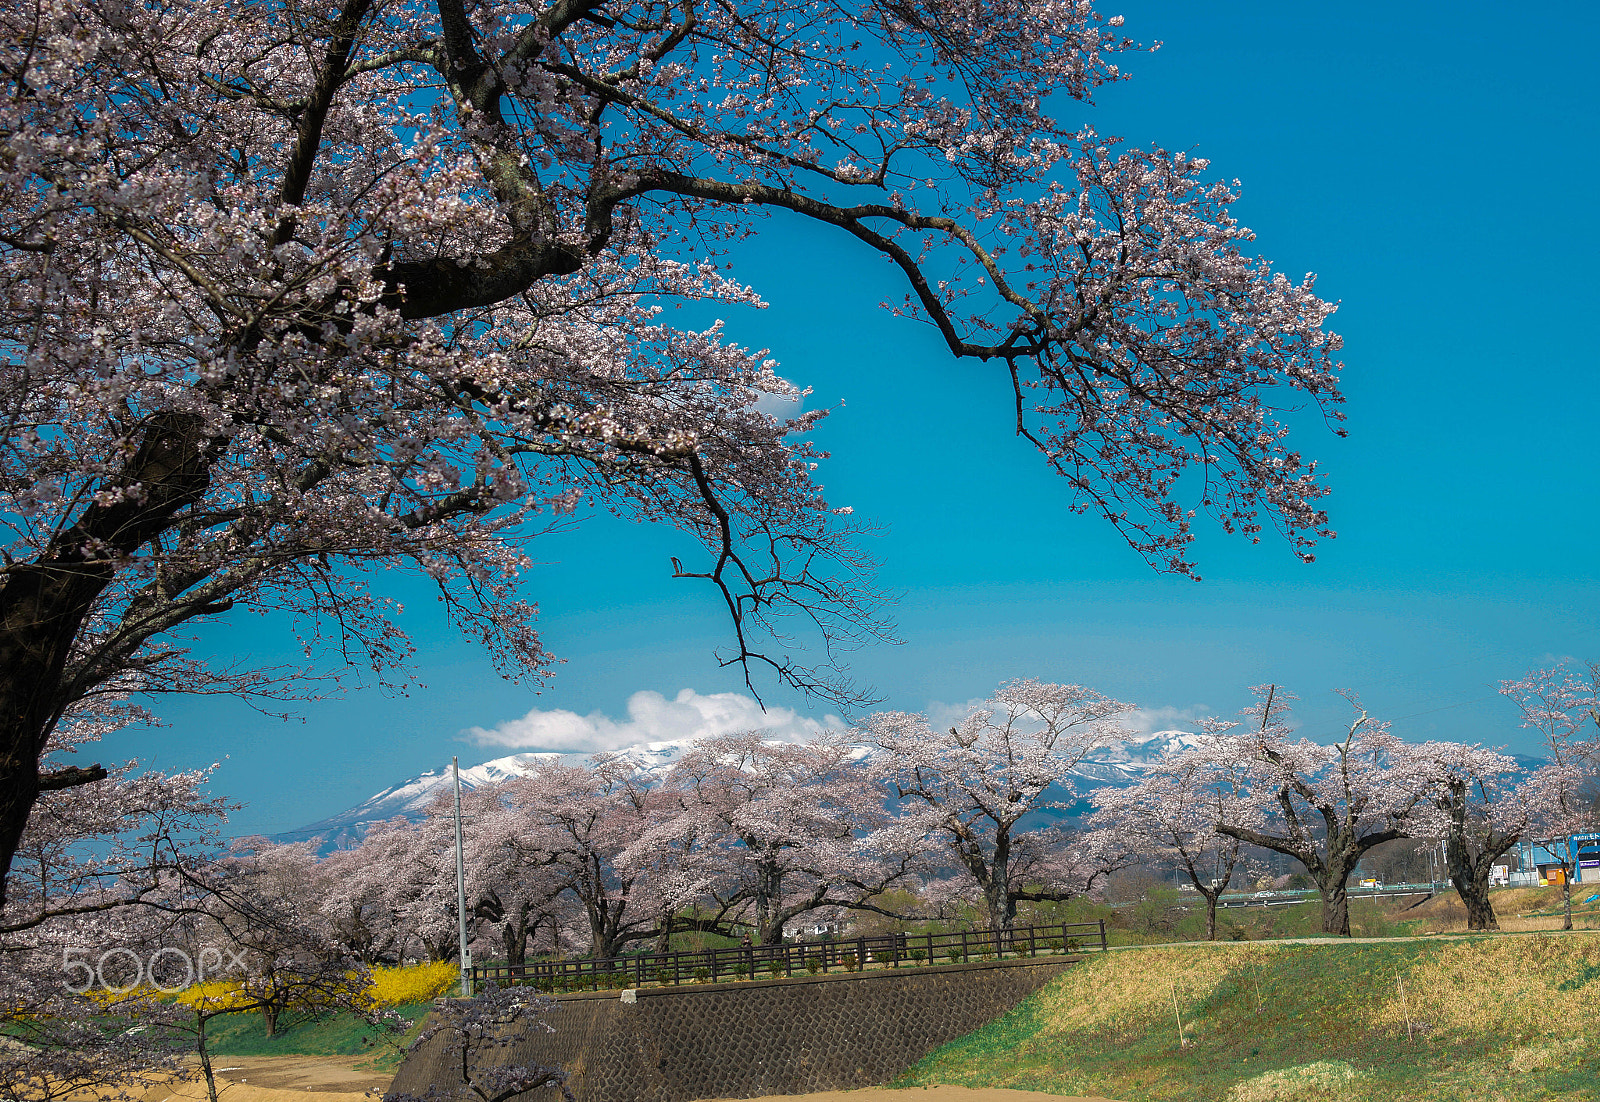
{"x": 1434, "y": 164}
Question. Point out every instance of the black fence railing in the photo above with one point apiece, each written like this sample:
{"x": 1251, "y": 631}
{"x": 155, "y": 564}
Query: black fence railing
{"x": 794, "y": 958}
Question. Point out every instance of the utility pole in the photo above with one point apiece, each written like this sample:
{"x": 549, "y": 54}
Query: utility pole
{"x": 461, "y": 890}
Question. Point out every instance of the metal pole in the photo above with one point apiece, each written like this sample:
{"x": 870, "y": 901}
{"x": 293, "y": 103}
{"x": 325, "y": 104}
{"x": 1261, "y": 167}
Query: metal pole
{"x": 461, "y": 889}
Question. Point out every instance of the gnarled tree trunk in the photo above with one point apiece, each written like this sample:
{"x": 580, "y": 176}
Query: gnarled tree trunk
{"x": 43, "y": 605}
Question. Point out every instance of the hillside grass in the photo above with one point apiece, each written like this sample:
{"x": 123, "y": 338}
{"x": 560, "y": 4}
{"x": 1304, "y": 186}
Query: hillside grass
{"x": 1470, "y": 1020}
{"x": 329, "y": 1034}
{"x": 1165, "y": 915}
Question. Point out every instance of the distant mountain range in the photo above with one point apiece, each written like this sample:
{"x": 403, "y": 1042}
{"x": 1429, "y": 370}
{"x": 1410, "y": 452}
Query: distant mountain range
{"x": 1111, "y": 763}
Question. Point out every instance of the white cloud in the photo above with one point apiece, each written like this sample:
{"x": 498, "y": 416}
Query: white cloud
{"x": 651, "y": 718}
{"x": 943, "y": 715}
{"x": 1147, "y": 721}
{"x": 780, "y": 406}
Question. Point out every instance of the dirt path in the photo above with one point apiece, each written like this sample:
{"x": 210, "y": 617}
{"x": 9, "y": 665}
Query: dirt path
{"x": 281, "y": 1079}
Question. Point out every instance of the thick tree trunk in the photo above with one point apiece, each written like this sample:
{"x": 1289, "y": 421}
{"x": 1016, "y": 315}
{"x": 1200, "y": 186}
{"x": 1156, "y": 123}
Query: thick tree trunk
{"x": 43, "y": 604}
{"x": 1480, "y": 915}
{"x": 1335, "y": 908}
{"x": 1002, "y": 908}
{"x": 770, "y": 915}
{"x": 1566, "y": 898}
{"x": 1470, "y": 875}
{"x": 514, "y": 936}
{"x": 1211, "y": 915}
{"x": 1330, "y": 867}
{"x": 1469, "y": 870}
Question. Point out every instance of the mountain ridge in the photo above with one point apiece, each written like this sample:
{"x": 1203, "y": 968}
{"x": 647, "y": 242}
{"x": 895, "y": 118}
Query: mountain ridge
{"x": 1112, "y": 763}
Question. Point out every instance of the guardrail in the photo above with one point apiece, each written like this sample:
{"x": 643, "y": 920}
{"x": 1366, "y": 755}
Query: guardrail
{"x": 790, "y": 958}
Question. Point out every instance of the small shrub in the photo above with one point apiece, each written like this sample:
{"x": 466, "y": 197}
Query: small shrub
{"x": 740, "y": 971}
{"x": 663, "y": 975}
{"x": 850, "y": 962}
{"x": 702, "y": 974}
{"x": 814, "y": 964}
{"x": 1055, "y": 943}
{"x": 1074, "y": 945}
{"x": 953, "y": 953}
{"x": 918, "y": 955}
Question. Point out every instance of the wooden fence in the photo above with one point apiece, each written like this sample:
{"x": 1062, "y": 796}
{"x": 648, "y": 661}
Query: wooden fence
{"x": 794, "y": 958}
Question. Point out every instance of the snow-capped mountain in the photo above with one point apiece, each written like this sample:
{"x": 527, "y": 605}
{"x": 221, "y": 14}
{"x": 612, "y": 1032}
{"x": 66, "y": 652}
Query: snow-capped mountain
{"x": 1111, "y": 763}
{"x": 1124, "y": 762}
{"x": 410, "y": 799}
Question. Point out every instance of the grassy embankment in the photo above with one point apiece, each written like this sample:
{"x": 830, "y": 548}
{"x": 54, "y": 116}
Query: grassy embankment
{"x": 333, "y": 1034}
{"x": 407, "y": 992}
{"x": 1469, "y": 1020}
{"x": 1164, "y": 915}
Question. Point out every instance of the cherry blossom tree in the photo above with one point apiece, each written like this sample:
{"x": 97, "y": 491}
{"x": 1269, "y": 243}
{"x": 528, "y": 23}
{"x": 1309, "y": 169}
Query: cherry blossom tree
{"x": 1171, "y": 814}
{"x": 1480, "y": 804}
{"x": 794, "y": 827}
{"x": 586, "y": 819}
{"x": 1564, "y": 707}
{"x": 1325, "y": 805}
{"x": 971, "y": 786}
{"x": 251, "y": 908}
{"x": 93, "y": 878}
{"x": 510, "y": 876}
{"x": 292, "y": 293}
{"x": 352, "y": 889}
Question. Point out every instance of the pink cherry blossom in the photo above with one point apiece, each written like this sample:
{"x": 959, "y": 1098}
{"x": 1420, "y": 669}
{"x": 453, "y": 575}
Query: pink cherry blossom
{"x": 290, "y": 296}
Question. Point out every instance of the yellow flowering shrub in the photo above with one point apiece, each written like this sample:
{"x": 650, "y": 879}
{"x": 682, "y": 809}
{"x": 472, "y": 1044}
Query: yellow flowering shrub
{"x": 417, "y": 983}
{"x": 214, "y": 995}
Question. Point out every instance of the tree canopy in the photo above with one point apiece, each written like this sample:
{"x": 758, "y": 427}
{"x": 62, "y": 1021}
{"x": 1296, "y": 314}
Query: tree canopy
{"x": 289, "y": 292}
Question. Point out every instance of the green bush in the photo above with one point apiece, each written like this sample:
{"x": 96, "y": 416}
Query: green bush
{"x": 918, "y": 955}
{"x": 814, "y": 963}
{"x": 740, "y": 971}
{"x": 850, "y": 962}
{"x": 1073, "y": 945}
{"x": 702, "y": 974}
{"x": 953, "y": 953}
{"x": 663, "y": 975}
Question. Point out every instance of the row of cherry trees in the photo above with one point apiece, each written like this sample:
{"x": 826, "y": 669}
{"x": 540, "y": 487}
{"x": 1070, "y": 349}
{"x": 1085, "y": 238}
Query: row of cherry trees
{"x": 743, "y": 833}
{"x": 1325, "y": 805}
{"x": 901, "y": 816}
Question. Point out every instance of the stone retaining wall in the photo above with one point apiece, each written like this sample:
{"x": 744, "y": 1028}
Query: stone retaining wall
{"x": 744, "y": 1040}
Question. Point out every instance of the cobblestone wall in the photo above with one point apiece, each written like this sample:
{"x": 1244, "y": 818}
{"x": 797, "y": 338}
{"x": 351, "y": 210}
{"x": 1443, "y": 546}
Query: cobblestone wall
{"x": 743, "y": 1040}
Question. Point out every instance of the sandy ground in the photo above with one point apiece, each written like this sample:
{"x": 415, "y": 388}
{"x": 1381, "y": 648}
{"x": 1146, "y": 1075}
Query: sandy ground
{"x": 280, "y": 1079}
{"x": 333, "y": 1079}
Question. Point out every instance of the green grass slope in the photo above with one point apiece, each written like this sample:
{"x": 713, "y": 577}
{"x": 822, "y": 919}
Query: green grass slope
{"x": 1473, "y": 1020}
{"x": 333, "y": 1034}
